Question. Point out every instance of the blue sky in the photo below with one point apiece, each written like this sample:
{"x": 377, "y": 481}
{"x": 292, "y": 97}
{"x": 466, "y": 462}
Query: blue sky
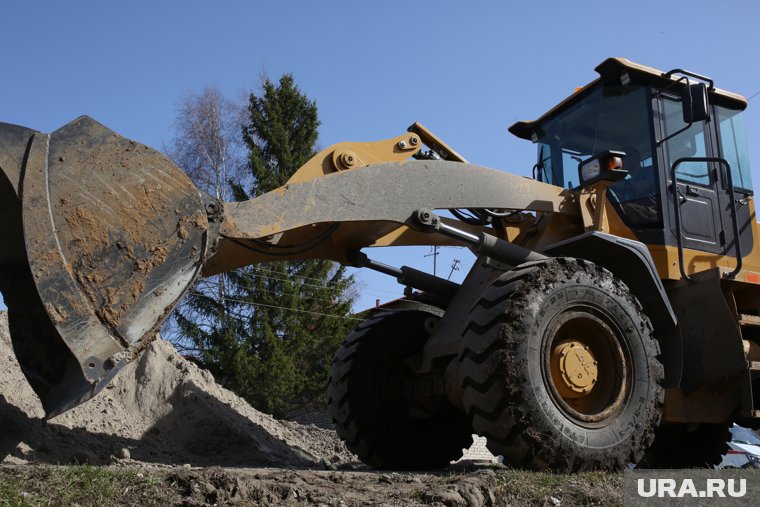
{"x": 467, "y": 70}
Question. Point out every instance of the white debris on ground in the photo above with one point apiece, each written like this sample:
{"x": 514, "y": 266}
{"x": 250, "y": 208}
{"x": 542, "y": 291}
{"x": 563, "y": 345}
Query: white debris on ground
{"x": 478, "y": 451}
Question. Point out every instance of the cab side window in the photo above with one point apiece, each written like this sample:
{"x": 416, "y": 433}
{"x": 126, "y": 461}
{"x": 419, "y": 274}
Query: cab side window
{"x": 733, "y": 146}
{"x": 690, "y": 143}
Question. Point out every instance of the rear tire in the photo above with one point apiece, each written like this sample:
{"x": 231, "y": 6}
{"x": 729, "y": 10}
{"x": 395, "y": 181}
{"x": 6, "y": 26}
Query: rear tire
{"x": 559, "y": 369}
{"x": 371, "y": 396}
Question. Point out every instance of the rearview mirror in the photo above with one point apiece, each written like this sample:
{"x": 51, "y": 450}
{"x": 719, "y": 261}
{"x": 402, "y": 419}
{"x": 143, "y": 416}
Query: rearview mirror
{"x": 694, "y": 101}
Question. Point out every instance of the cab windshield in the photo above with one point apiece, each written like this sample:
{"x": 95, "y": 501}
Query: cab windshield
{"x": 608, "y": 118}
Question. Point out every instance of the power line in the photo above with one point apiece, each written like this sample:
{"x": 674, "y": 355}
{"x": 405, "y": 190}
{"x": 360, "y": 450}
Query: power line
{"x": 256, "y": 268}
{"x": 374, "y": 293}
{"x": 250, "y": 277}
{"x": 753, "y": 96}
{"x": 275, "y": 293}
{"x": 290, "y": 309}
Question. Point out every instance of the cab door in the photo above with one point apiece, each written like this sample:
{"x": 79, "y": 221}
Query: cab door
{"x": 696, "y": 183}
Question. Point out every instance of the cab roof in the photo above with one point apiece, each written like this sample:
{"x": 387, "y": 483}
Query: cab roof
{"x": 611, "y": 70}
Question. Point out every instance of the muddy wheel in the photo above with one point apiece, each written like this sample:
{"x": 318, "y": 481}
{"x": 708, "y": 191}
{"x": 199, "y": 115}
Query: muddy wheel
{"x": 687, "y": 446}
{"x": 371, "y": 395}
{"x": 559, "y": 369}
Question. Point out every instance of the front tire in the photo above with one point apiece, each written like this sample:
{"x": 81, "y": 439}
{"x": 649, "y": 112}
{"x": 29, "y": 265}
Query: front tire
{"x": 372, "y": 397}
{"x": 559, "y": 369}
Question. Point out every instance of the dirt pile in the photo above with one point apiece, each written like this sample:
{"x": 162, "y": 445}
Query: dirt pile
{"x": 160, "y": 409}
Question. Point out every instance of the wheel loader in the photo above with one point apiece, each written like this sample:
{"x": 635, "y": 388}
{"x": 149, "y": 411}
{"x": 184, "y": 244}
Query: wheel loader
{"x": 611, "y": 317}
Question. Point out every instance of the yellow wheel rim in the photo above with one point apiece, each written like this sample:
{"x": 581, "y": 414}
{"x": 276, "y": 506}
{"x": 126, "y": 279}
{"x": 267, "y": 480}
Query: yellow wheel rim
{"x": 574, "y": 370}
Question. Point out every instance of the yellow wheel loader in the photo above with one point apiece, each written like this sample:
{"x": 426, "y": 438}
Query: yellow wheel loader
{"x": 612, "y": 315}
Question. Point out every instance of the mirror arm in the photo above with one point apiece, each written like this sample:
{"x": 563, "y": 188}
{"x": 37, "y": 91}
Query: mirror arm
{"x": 659, "y": 143}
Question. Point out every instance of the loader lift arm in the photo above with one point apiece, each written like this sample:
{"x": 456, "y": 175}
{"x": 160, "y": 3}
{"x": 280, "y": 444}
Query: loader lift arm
{"x": 341, "y": 212}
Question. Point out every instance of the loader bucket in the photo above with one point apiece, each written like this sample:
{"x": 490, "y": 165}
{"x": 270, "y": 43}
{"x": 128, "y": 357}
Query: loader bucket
{"x": 102, "y": 237}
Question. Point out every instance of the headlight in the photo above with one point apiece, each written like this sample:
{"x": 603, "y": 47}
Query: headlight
{"x": 607, "y": 166}
{"x": 590, "y": 170}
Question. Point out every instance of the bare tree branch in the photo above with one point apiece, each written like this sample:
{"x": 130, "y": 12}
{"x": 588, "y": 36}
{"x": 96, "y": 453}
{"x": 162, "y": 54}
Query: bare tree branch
{"x": 207, "y": 142}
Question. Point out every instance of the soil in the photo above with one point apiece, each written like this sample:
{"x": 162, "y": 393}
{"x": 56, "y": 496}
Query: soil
{"x": 162, "y": 409}
{"x": 323, "y": 488}
{"x": 165, "y": 418}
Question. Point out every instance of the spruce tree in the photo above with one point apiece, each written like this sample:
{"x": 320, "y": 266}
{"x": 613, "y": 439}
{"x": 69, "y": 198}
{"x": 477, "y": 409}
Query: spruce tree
{"x": 275, "y": 333}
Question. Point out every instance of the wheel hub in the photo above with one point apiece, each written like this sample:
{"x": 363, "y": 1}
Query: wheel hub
{"x": 574, "y": 369}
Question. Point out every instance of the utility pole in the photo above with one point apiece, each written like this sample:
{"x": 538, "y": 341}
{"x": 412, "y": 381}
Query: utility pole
{"x": 454, "y": 267}
{"x": 434, "y": 254}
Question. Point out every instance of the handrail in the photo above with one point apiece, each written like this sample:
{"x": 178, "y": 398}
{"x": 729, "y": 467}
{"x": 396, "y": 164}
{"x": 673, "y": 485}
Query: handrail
{"x": 692, "y": 74}
{"x": 734, "y": 219}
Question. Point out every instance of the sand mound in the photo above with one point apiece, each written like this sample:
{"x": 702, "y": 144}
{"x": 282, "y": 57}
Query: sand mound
{"x": 161, "y": 409}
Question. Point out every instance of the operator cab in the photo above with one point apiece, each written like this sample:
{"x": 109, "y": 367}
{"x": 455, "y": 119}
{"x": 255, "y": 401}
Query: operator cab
{"x": 654, "y": 118}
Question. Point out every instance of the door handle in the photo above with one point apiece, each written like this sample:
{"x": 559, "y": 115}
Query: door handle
{"x": 681, "y": 197}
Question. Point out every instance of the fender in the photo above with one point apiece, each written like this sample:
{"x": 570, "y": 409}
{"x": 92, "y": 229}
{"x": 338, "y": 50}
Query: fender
{"x": 628, "y": 260}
